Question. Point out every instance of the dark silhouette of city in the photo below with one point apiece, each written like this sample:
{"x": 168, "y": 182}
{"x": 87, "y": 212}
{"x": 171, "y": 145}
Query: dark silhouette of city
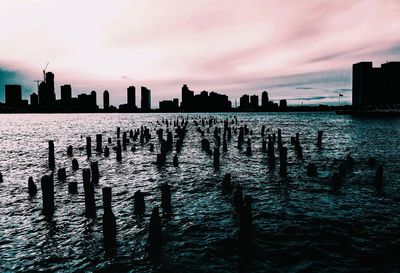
{"x": 373, "y": 89}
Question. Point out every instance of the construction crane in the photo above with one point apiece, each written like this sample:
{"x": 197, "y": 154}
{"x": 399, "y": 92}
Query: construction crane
{"x": 37, "y": 83}
{"x": 44, "y": 71}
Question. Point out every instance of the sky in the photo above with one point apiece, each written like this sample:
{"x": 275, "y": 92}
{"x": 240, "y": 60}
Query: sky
{"x": 300, "y": 50}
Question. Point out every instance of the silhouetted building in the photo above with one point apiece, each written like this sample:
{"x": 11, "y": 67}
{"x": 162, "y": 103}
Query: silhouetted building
{"x": 169, "y": 105}
{"x": 13, "y": 95}
{"x": 244, "y": 102}
{"x": 93, "y": 101}
{"x": 282, "y": 104}
{"x": 376, "y": 85}
{"x": 131, "y": 96}
{"x": 146, "y": 99}
{"x": 254, "y": 102}
{"x": 34, "y": 100}
{"x": 187, "y": 98}
{"x": 264, "y": 99}
{"x": 47, "y": 97}
{"x": 106, "y": 100}
{"x": 66, "y": 96}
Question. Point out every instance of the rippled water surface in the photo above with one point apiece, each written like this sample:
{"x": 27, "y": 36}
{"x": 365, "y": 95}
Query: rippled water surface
{"x": 300, "y": 224}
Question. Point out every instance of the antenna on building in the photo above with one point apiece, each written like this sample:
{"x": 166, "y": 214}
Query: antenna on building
{"x": 44, "y": 71}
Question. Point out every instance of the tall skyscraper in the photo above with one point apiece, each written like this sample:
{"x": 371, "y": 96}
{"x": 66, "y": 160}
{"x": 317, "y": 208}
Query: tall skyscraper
{"x": 13, "y": 95}
{"x": 187, "y": 98}
{"x": 146, "y": 99}
{"x": 244, "y": 102}
{"x": 106, "y": 100}
{"x": 264, "y": 99}
{"x": 93, "y": 100}
{"x": 254, "y": 102}
{"x": 47, "y": 96}
{"x": 50, "y": 86}
{"x": 66, "y": 94}
{"x": 131, "y": 96}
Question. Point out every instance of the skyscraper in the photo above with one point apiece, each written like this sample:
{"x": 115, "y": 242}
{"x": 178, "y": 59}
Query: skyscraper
{"x": 187, "y": 98}
{"x": 34, "y": 100}
{"x": 131, "y": 96}
{"x": 244, "y": 102}
{"x": 146, "y": 99}
{"x": 93, "y": 100}
{"x": 106, "y": 100}
{"x": 66, "y": 94}
{"x": 264, "y": 99}
{"x": 254, "y": 102}
{"x": 13, "y": 95}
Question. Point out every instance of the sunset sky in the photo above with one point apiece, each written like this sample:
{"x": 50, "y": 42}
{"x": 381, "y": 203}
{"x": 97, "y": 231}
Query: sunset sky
{"x": 300, "y": 50}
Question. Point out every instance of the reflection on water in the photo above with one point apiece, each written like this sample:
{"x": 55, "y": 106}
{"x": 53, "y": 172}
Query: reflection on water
{"x": 299, "y": 224}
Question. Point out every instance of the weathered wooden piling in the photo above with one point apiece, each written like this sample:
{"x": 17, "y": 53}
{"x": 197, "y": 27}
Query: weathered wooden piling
{"x": 271, "y": 154}
{"x": 151, "y": 147}
{"x": 224, "y": 146}
{"x": 118, "y": 132}
{"x": 75, "y": 164}
{"x": 94, "y": 166}
{"x": 70, "y": 151}
{"x": 47, "y": 184}
{"x": 109, "y": 140}
{"x": 238, "y": 198}
{"x": 61, "y": 174}
{"x": 166, "y": 204}
{"x": 139, "y": 205}
{"x": 32, "y": 189}
{"x": 175, "y": 160}
{"x": 245, "y": 225}
{"x": 216, "y": 158}
{"x": 319, "y": 140}
{"x": 264, "y": 146}
{"x": 279, "y": 137}
{"x": 99, "y": 143}
{"x": 106, "y": 151}
{"x": 379, "y": 178}
{"x": 73, "y": 187}
{"x": 124, "y": 140}
{"x": 119, "y": 151}
{"x": 155, "y": 233}
{"x": 1, "y": 177}
{"x": 227, "y": 182}
{"x": 283, "y": 161}
{"x": 88, "y": 187}
{"x": 52, "y": 162}
{"x": 89, "y": 146}
{"x": 311, "y": 169}
{"x": 109, "y": 221}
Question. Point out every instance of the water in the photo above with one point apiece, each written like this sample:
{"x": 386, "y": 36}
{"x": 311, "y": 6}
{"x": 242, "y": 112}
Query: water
{"x": 300, "y": 225}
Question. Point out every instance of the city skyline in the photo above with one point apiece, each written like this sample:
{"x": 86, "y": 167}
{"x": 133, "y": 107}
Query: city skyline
{"x": 238, "y": 49}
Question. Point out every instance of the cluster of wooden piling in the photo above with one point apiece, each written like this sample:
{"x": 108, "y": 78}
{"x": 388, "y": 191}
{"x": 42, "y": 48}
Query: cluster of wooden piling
{"x": 176, "y": 129}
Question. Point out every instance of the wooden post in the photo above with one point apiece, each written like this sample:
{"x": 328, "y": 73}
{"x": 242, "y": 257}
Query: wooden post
{"x": 227, "y": 182}
{"x": 139, "y": 205}
{"x": 88, "y": 146}
{"x": 311, "y": 169}
{"x": 52, "y": 163}
{"x": 75, "y": 164}
{"x": 279, "y": 137}
{"x": 271, "y": 154}
{"x": 99, "y": 143}
{"x": 283, "y": 161}
{"x": 70, "y": 151}
{"x": 319, "y": 141}
{"x": 32, "y": 189}
{"x": 94, "y": 166}
{"x": 61, "y": 174}
{"x": 109, "y": 221}
{"x": 155, "y": 233}
{"x": 238, "y": 198}
{"x": 175, "y": 161}
{"x": 216, "y": 158}
{"x": 106, "y": 151}
{"x": 119, "y": 151}
{"x": 118, "y": 132}
{"x": 1, "y": 177}
{"x": 166, "y": 197}
{"x": 47, "y": 184}
{"x": 88, "y": 187}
